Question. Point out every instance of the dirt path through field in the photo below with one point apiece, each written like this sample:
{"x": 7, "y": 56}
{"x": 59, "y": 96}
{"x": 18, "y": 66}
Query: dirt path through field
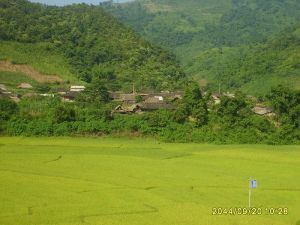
{"x": 29, "y": 71}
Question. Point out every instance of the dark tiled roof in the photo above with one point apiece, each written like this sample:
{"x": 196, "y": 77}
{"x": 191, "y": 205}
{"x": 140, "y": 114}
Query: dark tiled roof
{"x": 154, "y": 100}
{"x": 155, "y": 106}
{"x": 128, "y": 97}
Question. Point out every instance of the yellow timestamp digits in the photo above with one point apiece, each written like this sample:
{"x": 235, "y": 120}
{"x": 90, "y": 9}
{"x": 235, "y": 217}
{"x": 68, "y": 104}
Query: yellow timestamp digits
{"x": 242, "y": 211}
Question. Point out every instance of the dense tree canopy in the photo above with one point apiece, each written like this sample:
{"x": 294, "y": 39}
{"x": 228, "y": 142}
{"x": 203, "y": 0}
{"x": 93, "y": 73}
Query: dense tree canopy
{"x": 250, "y": 33}
{"x": 93, "y": 41}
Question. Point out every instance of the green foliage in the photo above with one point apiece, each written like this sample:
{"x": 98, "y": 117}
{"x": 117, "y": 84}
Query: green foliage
{"x": 283, "y": 99}
{"x": 254, "y": 69}
{"x": 232, "y": 121}
{"x": 87, "y": 41}
{"x": 64, "y": 114}
{"x": 43, "y": 88}
{"x": 192, "y": 96}
{"x": 42, "y": 56}
{"x": 7, "y": 108}
{"x": 93, "y": 43}
{"x": 231, "y": 107}
{"x": 194, "y": 105}
{"x": 91, "y": 113}
{"x": 260, "y": 39}
{"x": 181, "y": 114}
{"x": 200, "y": 113}
{"x": 286, "y": 104}
{"x": 169, "y": 23}
{"x": 95, "y": 93}
{"x": 158, "y": 119}
{"x": 14, "y": 79}
{"x": 138, "y": 98}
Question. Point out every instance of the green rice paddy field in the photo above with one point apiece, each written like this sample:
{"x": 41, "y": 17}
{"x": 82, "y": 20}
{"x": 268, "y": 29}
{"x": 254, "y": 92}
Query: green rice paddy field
{"x": 118, "y": 181}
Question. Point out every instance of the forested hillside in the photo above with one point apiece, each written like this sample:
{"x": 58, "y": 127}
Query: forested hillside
{"x": 82, "y": 42}
{"x": 92, "y": 43}
{"x": 210, "y": 37}
{"x": 254, "y": 68}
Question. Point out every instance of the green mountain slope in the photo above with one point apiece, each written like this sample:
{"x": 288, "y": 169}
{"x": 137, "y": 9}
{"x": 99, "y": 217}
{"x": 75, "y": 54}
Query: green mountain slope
{"x": 254, "y": 68}
{"x": 87, "y": 41}
{"x": 170, "y": 22}
{"x": 196, "y": 30}
{"x": 43, "y": 57}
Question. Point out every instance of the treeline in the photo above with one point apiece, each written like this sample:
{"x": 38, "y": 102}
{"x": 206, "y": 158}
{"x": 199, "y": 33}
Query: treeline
{"x": 195, "y": 119}
{"x": 94, "y": 42}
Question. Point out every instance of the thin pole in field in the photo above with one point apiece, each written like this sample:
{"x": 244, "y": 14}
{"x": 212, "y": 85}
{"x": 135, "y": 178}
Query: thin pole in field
{"x": 249, "y": 193}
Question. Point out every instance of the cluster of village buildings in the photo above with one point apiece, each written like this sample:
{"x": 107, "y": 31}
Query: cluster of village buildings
{"x": 140, "y": 102}
{"x": 128, "y": 103}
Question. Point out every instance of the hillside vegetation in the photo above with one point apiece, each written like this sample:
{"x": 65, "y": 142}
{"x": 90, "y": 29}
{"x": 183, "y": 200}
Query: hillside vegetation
{"x": 86, "y": 42}
{"x": 83, "y": 41}
{"x": 43, "y": 57}
{"x": 255, "y": 68}
{"x": 197, "y": 31}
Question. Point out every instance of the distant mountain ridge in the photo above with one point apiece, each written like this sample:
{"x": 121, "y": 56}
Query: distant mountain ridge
{"x": 69, "y": 2}
{"x": 196, "y": 29}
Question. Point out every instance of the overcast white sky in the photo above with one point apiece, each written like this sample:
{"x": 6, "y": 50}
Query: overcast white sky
{"x": 66, "y": 2}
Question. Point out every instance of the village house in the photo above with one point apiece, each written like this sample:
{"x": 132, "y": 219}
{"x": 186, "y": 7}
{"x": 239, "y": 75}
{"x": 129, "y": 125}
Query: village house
{"x": 128, "y": 98}
{"x": 155, "y": 99}
{"x": 60, "y": 91}
{"x": 135, "y": 108}
{"x": 69, "y": 96}
{"x": 147, "y": 97}
{"x": 120, "y": 109}
{"x": 156, "y": 106}
{"x": 77, "y": 88}
{"x": 16, "y": 99}
{"x": 166, "y": 96}
{"x": 7, "y": 93}
{"x": 216, "y": 97}
{"x": 3, "y": 87}
{"x": 47, "y": 95}
{"x": 229, "y": 95}
{"x": 142, "y": 107}
{"x": 115, "y": 96}
{"x": 262, "y": 110}
{"x": 25, "y": 86}
{"x": 4, "y": 94}
{"x": 148, "y": 101}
